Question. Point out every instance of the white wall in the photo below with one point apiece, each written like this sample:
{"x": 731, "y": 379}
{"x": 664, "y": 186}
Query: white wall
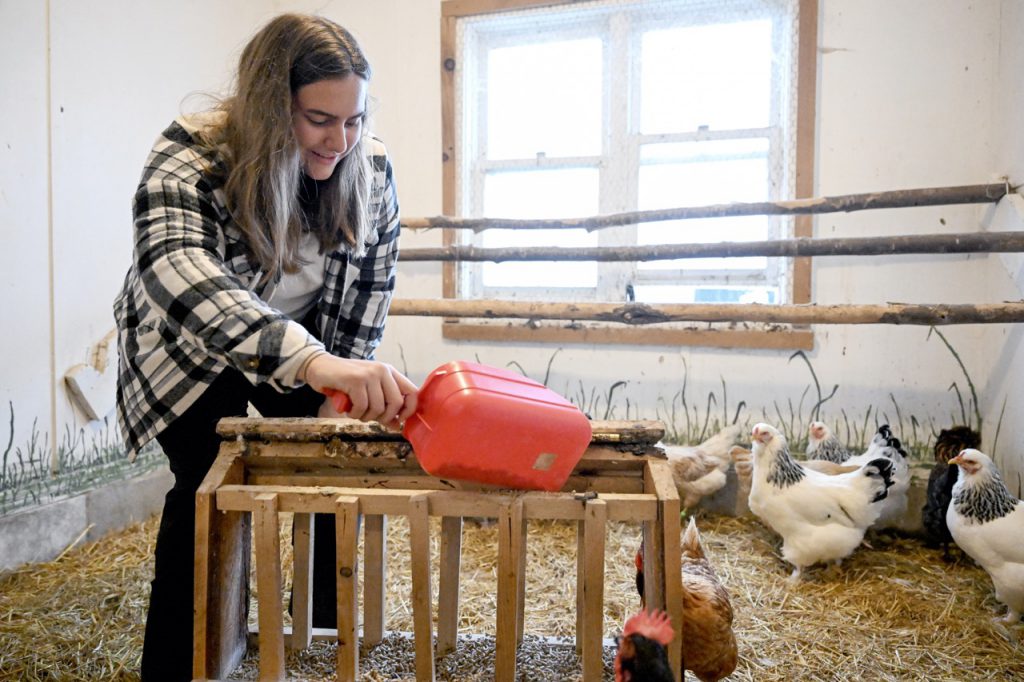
{"x": 1004, "y": 383}
{"x": 911, "y": 94}
{"x": 24, "y": 227}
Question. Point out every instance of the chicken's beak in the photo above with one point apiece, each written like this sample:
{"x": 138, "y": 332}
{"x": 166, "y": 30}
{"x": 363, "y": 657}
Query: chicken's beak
{"x": 956, "y": 460}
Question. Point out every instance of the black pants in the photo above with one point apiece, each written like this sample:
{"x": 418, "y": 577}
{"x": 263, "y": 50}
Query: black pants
{"x": 191, "y": 445}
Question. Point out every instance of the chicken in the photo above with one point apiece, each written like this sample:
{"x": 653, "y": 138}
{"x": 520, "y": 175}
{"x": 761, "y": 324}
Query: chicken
{"x": 744, "y": 466}
{"x": 940, "y": 484}
{"x": 832, "y": 458}
{"x": 642, "y": 655}
{"x": 879, "y": 440}
{"x": 822, "y": 444}
{"x": 894, "y": 506}
{"x": 821, "y": 518}
{"x": 987, "y": 521}
{"x": 699, "y": 470}
{"x": 827, "y": 467}
{"x": 709, "y": 644}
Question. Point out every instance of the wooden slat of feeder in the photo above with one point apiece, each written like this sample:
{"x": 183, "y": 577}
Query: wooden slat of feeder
{"x": 343, "y": 452}
{"x": 374, "y": 577}
{"x": 396, "y": 458}
{"x": 448, "y": 584}
{"x": 510, "y": 547}
{"x": 564, "y": 506}
{"x": 300, "y": 429}
{"x": 521, "y": 585}
{"x": 659, "y": 481}
{"x": 220, "y": 629}
{"x": 418, "y": 507}
{"x": 420, "y": 482}
{"x": 625, "y": 482}
{"x": 389, "y": 458}
{"x": 302, "y": 582}
{"x": 268, "y": 583}
{"x": 386, "y": 457}
{"x": 307, "y": 429}
{"x": 594, "y": 529}
{"x": 346, "y": 514}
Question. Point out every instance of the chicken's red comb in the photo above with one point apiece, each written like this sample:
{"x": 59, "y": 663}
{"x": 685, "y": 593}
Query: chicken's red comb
{"x": 652, "y": 625}
{"x": 638, "y": 560}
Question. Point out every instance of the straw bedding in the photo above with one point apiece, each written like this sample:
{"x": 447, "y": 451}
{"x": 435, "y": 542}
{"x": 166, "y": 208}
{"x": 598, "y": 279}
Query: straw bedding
{"x": 895, "y": 611}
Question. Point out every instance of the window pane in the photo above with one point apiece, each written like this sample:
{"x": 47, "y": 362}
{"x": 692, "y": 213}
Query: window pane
{"x": 698, "y": 174}
{"x": 705, "y": 294}
{"x": 564, "y": 193}
{"x": 544, "y": 98}
{"x": 718, "y": 76}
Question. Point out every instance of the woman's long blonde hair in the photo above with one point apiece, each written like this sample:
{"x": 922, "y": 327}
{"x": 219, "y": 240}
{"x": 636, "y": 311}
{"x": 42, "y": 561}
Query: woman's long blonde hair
{"x": 263, "y": 162}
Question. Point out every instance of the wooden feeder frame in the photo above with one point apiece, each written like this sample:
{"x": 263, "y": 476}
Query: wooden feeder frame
{"x": 352, "y": 469}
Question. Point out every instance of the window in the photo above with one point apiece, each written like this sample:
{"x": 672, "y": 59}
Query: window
{"x": 573, "y": 109}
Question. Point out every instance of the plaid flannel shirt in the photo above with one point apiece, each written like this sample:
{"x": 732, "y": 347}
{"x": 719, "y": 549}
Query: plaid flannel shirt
{"x": 191, "y": 305}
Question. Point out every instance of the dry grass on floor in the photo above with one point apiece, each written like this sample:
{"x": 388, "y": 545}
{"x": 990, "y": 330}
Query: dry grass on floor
{"x": 893, "y": 612}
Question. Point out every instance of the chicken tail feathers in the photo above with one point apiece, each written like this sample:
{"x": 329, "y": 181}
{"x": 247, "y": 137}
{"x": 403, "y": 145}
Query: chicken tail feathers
{"x": 690, "y": 544}
{"x": 880, "y": 468}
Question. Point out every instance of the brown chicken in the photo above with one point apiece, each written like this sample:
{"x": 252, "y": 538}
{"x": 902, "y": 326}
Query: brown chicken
{"x": 700, "y": 470}
{"x": 709, "y": 644}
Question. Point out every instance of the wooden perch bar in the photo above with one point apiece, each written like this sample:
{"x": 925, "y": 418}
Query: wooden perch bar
{"x": 935, "y": 196}
{"x": 965, "y": 242}
{"x": 641, "y": 314}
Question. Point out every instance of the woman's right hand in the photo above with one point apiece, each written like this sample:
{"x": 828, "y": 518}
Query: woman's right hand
{"x": 377, "y": 390}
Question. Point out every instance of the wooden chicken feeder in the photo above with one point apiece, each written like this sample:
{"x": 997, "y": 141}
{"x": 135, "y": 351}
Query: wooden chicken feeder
{"x": 350, "y": 469}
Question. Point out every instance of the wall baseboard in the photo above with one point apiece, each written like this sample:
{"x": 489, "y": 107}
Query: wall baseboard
{"x": 41, "y": 533}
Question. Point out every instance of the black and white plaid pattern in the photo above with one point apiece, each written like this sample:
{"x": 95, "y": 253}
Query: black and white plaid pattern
{"x": 190, "y": 305}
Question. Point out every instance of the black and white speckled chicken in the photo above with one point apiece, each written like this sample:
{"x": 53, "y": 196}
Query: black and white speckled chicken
{"x": 987, "y": 521}
{"x": 940, "y": 484}
{"x": 821, "y": 517}
{"x": 823, "y": 445}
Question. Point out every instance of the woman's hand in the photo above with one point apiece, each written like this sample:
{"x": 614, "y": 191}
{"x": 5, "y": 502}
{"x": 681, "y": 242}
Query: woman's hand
{"x": 377, "y": 390}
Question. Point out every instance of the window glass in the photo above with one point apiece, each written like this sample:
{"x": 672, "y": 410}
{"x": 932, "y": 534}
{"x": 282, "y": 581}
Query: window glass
{"x": 561, "y": 193}
{"x": 670, "y": 293}
{"x": 699, "y": 174}
{"x": 544, "y": 99}
{"x": 717, "y": 76}
{"x": 580, "y": 109}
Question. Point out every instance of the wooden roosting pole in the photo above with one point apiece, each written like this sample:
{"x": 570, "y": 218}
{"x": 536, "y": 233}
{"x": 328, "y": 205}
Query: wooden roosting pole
{"x": 964, "y": 242}
{"x": 934, "y": 196}
{"x": 796, "y": 314}
{"x": 642, "y": 314}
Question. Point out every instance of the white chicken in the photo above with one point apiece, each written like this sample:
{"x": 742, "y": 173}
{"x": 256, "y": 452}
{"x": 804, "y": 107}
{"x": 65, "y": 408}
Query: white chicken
{"x": 894, "y": 506}
{"x": 822, "y": 444}
{"x": 821, "y": 518}
{"x": 700, "y": 470}
{"x": 987, "y": 521}
{"x": 830, "y": 457}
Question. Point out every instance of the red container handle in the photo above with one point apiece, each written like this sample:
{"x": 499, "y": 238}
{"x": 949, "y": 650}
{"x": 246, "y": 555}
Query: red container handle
{"x": 342, "y": 403}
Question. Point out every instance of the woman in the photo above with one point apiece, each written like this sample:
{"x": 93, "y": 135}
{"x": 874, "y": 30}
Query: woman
{"x": 266, "y": 238}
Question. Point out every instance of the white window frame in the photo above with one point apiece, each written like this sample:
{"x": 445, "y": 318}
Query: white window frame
{"x": 463, "y": 280}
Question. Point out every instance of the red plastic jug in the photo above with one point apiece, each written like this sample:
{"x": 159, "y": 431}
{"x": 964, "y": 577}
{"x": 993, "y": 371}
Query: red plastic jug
{"x": 489, "y": 425}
